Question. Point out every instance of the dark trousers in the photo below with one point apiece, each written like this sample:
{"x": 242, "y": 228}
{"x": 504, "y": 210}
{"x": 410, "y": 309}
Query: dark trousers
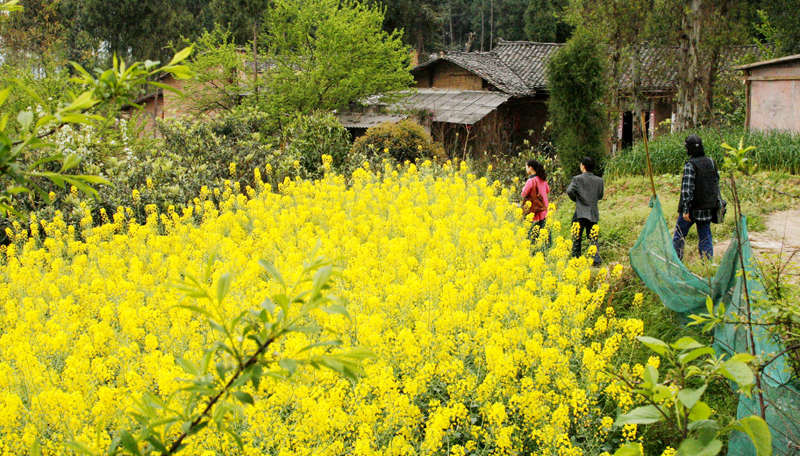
{"x": 585, "y": 226}
{"x": 706, "y": 244}
{"x": 534, "y": 231}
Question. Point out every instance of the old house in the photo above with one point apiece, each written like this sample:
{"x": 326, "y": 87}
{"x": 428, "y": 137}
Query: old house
{"x": 495, "y": 100}
{"x": 773, "y": 94}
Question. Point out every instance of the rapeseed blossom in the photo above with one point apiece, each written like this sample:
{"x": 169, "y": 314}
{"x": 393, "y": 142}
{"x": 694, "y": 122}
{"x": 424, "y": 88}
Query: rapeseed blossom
{"x": 480, "y": 346}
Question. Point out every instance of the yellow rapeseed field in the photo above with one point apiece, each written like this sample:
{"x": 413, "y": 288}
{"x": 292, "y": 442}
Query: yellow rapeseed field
{"x": 482, "y": 348}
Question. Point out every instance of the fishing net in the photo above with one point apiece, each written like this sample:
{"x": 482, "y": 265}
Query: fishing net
{"x": 655, "y": 261}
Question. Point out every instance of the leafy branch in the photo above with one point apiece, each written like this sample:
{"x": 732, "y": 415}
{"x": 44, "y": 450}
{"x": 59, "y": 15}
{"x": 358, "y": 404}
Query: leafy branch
{"x": 119, "y": 84}
{"x": 243, "y": 355}
{"x": 677, "y": 398}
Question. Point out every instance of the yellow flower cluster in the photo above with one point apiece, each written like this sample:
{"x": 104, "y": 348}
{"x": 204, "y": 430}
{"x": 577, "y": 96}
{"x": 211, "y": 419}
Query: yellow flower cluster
{"x": 480, "y": 346}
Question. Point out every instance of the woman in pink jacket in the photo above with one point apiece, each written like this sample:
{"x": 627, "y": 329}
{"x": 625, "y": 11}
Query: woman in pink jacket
{"x": 537, "y": 177}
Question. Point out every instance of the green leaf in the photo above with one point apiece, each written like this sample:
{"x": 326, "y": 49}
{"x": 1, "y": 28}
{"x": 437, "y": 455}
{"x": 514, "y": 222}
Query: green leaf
{"x": 686, "y": 343}
{"x": 656, "y": 345}
{"x": 641, "y": 415}
{"x": 188, "y": 366}
{"x": 83, "y": 102}
{"x": 689, "y": 397}
{"x": 223, "y": 287}
{"x": 700, "y": 411}
{"x": 336, "y": 309}
{"x": 3, "y": 97}
{"x": 329, "y": 343}
{"x": 694, "y": 354}
{"x": 661, "y": 392}
{"x": 181, "y": 72}
{"x": 17, "y": 190}
{"x": 93, "y": 179}
{"x": 25, "y": 119}
{"x": 270, "y": 268}
{"x": 129, "y": 443}
{"x": 195, "y": 309}
{"x": 182, "y": 55}
{"x": 71, "y": 161}
{"x": 243, "y": 397}
{"x": 739, "y": 372}
{"x": 78, "y": 448}
{"x": 758, "y": 431}
{"x": 630, "y": 449}
{"x": 36, "y": 448}
{"x": 694, "y": 447}
{"x": 288, "y": 365}
{"x": 650, "y": 374}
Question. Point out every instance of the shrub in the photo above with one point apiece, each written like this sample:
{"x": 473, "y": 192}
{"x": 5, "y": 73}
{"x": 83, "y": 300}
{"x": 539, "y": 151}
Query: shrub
{"x": 775, "y": 151}
{"x": 311, "y": 137}
{"x": 401, "y": 142}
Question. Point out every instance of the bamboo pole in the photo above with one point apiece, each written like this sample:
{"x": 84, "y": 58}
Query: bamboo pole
{"x": 647, "y": 151}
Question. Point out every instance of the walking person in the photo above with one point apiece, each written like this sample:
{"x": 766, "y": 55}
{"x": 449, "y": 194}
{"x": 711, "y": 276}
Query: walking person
{"x": 534, "y": 198}
{"x": 698, "y": 202}
{"x": 586, "y": 190}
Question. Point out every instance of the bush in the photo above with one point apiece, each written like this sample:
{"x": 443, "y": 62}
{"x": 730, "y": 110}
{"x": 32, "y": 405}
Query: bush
{"x": 401, "y": 142}
{"x": 311, "y": 137}
{"x": 775, "y": 151}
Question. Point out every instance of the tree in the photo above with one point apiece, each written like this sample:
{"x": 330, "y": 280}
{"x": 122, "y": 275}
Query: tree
{"x": 323, "y": 54}
{"x": 577, "y": 78}
{"x": 219, "y": 70}
{"x": 119, "y": 84}
{"x": 543, "y": 21}
{"x": 783, "y": 16}
{"x": 623, "y": 26}
{"x": 138, "y": 29}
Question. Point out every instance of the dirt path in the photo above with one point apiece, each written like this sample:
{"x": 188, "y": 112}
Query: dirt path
{"x": 783, "y": 229}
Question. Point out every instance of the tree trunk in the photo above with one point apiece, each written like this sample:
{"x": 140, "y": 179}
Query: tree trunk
{"x": 713, "y": 69}
{"x": 688, "y": 96}
{"x": 255, "y": 59}
{"x": 482, "y": 11}
{"x": 491, "y": 25}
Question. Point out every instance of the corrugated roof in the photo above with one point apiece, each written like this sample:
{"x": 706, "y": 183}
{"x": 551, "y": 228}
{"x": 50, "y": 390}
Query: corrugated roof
{"x": 358, "y": 120}
{"x": 464, "y": 107}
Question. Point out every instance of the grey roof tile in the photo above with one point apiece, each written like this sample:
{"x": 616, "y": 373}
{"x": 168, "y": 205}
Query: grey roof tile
{"x": 519, "y": 68}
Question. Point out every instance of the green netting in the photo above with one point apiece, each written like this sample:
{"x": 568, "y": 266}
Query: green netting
{"x": 655, "y": 261}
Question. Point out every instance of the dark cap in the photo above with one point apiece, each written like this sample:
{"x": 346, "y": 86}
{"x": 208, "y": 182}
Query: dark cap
{"x": 693, "y": 141}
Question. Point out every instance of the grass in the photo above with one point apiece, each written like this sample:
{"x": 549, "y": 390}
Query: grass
{"x": 775, "y": 151}
{"x": 623, "y": 213}
{"x": 625, "y": 209}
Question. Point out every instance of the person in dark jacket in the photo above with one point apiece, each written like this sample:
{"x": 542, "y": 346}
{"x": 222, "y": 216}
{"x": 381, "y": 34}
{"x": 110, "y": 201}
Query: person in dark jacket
{"x": 699, "y": 190}
{"x": 586, "y": 190}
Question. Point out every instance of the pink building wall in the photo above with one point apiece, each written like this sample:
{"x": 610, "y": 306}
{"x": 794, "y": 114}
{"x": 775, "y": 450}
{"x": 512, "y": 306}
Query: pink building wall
{"x": 774, "y": 97}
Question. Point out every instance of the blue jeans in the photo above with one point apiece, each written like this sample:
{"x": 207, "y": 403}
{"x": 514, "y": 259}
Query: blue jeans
{"x": 706, "y": 243}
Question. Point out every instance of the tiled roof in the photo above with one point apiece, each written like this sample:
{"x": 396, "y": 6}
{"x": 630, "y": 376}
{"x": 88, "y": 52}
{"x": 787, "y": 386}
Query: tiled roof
{"x": 464, "y": 107}
{"x": 519, "y": 68}
{"x": 488, "y": 66}
{"x": 527, "y": 59}
{"x": 359, "y": 120}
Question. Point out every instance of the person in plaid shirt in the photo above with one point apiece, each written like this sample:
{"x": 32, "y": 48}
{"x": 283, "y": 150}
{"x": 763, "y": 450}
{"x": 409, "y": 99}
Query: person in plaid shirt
{"x": 699, "y": 190}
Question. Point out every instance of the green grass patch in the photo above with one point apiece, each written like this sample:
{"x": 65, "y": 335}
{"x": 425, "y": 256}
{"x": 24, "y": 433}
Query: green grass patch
{"x": 775, "y": 151}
